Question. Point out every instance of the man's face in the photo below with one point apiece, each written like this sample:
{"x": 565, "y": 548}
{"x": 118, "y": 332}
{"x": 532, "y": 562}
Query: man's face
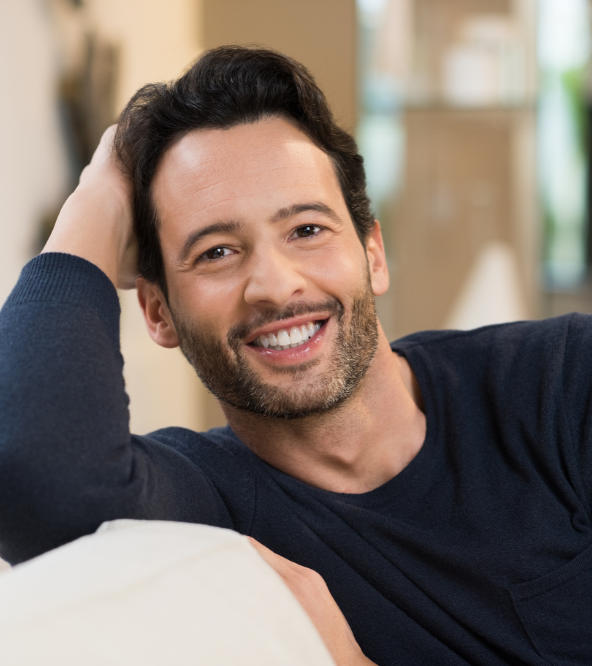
{"x": 270, "y": 290}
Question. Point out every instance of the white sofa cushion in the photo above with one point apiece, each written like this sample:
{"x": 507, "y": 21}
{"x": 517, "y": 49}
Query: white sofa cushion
{"x": 153, "y": 593}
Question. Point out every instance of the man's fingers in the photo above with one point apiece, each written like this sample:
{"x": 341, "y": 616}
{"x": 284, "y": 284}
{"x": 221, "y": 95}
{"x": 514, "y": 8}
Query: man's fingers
{"x": 96, "y": 221}
{"x": 106, "y": 141}
{"x": 290, "y": 571}
{"x": 273, "y": 559}
{"x": 103, "y": 152}
{"x": 311, "y": 591}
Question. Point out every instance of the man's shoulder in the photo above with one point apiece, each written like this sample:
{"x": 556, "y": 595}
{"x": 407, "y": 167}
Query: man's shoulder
{"x": 551, "y": 350}
{"x": 217, "y": 453}
{"x": 193, "y": 444}
{"x": 504, "y": 336}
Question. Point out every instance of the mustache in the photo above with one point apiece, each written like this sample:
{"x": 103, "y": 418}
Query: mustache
{"x": 272, "y": 315}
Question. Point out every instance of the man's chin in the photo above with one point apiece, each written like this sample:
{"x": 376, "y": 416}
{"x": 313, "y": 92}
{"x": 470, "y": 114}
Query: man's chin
{"x": 285, "y": 391}
{"x": 278, "y": 405}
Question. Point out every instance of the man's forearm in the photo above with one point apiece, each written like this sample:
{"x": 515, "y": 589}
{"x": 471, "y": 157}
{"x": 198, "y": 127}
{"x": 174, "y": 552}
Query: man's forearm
{"x": 64, "y": 441}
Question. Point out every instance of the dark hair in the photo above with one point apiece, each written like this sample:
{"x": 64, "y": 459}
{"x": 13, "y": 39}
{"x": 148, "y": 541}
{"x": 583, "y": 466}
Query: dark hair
{"x": 228, "y": 86}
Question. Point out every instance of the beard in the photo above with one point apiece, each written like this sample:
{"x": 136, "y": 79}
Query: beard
{"x": 225, "y": 370}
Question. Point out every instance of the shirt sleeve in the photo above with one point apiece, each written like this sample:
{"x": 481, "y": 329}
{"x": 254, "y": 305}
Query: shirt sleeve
{"x": 67, "y": 459}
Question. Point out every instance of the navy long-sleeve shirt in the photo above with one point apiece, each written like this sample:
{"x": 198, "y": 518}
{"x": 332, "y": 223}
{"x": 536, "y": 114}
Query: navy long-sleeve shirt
{"x": 478, "y": 552}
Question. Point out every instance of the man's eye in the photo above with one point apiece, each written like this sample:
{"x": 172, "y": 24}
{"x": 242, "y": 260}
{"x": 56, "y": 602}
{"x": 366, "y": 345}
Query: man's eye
{"x": 307, "y": 230}
{"x": 214, "y": 253}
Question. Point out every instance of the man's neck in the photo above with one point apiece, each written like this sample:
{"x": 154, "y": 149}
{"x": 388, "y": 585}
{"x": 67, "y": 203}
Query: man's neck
{"x": 353, "y": 448}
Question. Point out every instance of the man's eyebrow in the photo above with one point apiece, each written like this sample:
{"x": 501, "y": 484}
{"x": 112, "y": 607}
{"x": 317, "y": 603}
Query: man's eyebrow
{"x": 214, "y": 228}
{"x": 295, "y": 209}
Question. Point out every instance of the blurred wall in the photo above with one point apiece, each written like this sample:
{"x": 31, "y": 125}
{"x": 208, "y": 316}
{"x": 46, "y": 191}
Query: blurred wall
{"x": 449, "y": 136}
{"x": 321, "y": 35}
{"x": 33, "y": 164}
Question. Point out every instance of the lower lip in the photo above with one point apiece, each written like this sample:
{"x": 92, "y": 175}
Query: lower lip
{"x": 293, "y": 355}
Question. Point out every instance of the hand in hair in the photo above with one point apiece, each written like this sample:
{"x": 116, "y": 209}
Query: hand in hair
{"x": 312, "y": 593}
{"x": 96, "y": 221}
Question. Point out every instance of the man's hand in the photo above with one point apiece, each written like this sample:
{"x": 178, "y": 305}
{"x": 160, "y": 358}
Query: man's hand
{"x": 96, "y": 221}
{"x": 312, "y": 593}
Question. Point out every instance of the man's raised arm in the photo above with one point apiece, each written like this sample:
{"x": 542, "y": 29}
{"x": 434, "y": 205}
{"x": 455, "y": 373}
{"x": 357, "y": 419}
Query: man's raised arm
{"x": 65, "y": 436}
{"x": 67, "y": 459}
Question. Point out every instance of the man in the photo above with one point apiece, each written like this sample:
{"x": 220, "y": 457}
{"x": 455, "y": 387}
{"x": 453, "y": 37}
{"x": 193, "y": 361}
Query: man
{"x": 442, "y": 491}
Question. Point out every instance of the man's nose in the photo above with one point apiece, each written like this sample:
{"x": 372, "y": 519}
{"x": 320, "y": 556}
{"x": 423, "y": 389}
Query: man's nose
{"x": 274, "y": 279}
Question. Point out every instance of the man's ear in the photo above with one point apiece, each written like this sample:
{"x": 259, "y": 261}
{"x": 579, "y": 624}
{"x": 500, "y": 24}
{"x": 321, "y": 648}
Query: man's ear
{"x": 379, "y": 275}
{"x": 156, "y": 313}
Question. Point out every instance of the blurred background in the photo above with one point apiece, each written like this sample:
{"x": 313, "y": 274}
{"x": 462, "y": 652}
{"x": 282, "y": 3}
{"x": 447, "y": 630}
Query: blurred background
{"x": 472, "y": 116}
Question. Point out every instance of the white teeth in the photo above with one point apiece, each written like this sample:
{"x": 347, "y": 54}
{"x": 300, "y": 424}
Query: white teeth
{"x": 284, "y": 338}
{"x": 295, "y": 336}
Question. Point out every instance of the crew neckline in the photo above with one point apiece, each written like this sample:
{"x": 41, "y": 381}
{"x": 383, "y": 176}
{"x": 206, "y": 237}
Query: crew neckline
{"x": 410, "y": 479}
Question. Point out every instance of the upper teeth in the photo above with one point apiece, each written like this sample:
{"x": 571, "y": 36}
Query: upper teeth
{"x": 286, "y": 338}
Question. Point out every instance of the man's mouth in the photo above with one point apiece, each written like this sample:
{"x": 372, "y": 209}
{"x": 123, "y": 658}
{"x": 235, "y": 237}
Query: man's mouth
{"x": 286, "y": 338}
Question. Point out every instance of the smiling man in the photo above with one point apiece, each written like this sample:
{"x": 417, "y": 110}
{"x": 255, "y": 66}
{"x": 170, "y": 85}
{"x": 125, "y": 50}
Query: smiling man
{"x": 440, "y": 485}
{"x": 246, "y": 245}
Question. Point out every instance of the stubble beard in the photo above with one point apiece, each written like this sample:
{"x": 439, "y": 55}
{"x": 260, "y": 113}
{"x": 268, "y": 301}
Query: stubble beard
{"x": 225, "y": 371}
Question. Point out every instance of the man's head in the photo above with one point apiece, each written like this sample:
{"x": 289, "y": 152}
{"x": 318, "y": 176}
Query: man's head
{"x": 246, "y": 217}
{"x": 228, "y": 86}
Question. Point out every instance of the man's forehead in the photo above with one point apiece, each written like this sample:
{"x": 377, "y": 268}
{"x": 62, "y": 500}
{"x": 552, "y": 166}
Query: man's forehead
{"x": 200, "y": 148}
{"x": 213, "y": 166}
